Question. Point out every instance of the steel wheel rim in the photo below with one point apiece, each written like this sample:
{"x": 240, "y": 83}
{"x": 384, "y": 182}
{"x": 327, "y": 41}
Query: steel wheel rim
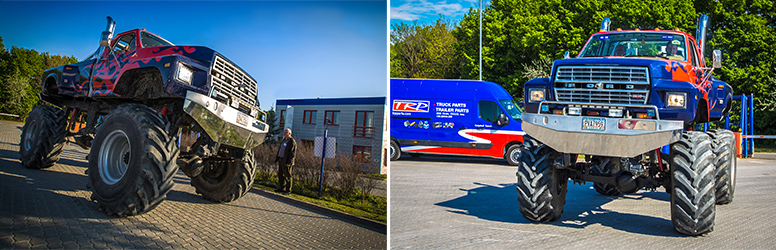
{"x": 393, "y": 152}
{"x": 115, "y": 153}
{"x": 515, "y": 155}
{"x": 29, "y": 136}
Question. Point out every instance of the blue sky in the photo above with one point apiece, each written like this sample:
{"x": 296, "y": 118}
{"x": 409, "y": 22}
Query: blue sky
{"x": 428, "y": 11}
{"x": 294, "y": 49}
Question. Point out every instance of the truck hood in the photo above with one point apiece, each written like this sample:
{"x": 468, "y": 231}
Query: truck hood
{"x": 199, "y": 53}
{"x": 658, "y": 68}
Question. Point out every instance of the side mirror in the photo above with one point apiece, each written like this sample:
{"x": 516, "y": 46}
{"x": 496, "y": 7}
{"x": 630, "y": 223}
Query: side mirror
{"x": 503, "y": 120}
{"x": 105, "y": 43}
{"x": 716, "y": 59}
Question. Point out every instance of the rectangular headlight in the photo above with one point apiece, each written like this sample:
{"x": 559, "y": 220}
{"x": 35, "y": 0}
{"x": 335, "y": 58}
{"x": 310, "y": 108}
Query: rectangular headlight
{"x": 615, "y": 112}
{"x": 536, "y": 94}
{"x": 676, "y": 99}
{"x": 575, "y": 111}
{"x": 184, "y": 73}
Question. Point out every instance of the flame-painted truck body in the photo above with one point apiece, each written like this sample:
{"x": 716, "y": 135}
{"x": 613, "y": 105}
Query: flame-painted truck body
{"x": 629, "y": 103}
{"x": 145, "y": 108}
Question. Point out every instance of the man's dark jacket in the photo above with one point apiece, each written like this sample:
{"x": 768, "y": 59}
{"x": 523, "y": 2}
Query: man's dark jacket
{"x": 290, "y": 154}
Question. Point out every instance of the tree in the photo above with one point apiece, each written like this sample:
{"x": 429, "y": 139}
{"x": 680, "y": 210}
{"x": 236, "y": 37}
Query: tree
{"x": 274, "y": 130}
{"x": 519, "y": 34}
{"x": 745, "y": 32}
{"x": 20, "y": 75}
{"x": 424, "y": 51}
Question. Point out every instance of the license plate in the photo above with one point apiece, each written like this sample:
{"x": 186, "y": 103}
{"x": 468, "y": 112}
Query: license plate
{"x": 593, "y": 123}
{"x": 242, "y": 119}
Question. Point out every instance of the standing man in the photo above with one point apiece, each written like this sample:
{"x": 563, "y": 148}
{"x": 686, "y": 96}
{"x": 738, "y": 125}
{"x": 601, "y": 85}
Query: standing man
{"x": 285, "y": 159}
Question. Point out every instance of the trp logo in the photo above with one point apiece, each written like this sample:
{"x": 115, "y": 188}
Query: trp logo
{"x": 410, "y": 106}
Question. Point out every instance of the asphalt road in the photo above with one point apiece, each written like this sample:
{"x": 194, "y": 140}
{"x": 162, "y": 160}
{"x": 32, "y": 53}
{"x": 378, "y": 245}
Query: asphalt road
{"x": 471, "y": 203}
{"x": 51, "y": 208}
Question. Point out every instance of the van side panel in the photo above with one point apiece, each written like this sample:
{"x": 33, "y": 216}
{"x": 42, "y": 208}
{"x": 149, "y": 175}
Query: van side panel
{"x": 442, "y": 117}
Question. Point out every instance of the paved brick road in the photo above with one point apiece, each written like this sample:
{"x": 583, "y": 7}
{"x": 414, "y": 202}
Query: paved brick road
{"x": 452, "y": 203}
{"x": 51, "y": 209}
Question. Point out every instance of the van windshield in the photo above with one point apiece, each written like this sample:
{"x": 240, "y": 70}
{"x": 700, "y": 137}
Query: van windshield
{"x": 512, "y": 109}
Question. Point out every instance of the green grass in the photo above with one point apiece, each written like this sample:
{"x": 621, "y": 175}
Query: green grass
{"x": 367, "y": 206}
{"x": 764, "y": 150}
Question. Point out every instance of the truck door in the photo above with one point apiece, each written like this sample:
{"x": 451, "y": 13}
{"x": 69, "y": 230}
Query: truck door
{"x": 108, "y": 67}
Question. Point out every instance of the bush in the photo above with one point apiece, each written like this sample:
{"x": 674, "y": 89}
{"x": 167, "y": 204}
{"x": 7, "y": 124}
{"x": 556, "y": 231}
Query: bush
{"x": 342, "y": 176}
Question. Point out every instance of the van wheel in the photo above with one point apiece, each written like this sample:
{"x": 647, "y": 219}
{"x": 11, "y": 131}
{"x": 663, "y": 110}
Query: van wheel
{"x": 395, "y": 151}
{"x": 513, "y": 155}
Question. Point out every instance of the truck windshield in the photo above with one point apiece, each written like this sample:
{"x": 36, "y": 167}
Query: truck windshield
{"x": 151, "y": 40}
{"x": 513, "y": 110}
{"x": 637, "y": 44}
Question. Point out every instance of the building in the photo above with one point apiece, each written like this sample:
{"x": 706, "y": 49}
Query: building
{"x": 358, "y": 124}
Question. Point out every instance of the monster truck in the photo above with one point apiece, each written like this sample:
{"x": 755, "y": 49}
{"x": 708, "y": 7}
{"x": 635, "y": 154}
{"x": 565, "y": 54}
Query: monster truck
{"x": 630, "y": 102}
{"x": 145, "y": 108}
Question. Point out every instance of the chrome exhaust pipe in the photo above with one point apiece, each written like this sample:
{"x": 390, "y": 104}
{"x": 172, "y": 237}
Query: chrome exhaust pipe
{"x": 700, "y": 33}
{"x": 605, "y": 24}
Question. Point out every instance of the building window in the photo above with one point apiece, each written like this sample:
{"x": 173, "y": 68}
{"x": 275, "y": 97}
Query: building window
{"x": 282, "y": 121}
{"x": 362, "y": 153}
{"x": 332, "y": 117}
{"x": 364, "y": 126}
{"x": 308, "y": 143}
{"x": 309, "y": 116}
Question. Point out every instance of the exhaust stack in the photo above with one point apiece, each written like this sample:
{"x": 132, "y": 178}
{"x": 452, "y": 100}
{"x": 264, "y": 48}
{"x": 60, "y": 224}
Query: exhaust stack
{"x": 700, "y": 32}
{"x": 107, "y": 35}
{"x": 605, "y": 24}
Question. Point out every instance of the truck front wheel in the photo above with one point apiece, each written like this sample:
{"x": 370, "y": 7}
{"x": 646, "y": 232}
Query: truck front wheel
{"x": 692, "y": 173}
{"x": 43, "y": 137}
{"x": 132, "y": 161}
{"x": 725, "y": 164}
{"x": 541, "y": 187}
{"x": 226, "y": 180}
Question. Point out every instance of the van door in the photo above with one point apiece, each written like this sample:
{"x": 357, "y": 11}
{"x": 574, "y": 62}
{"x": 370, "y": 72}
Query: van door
{"x": 483, "y": 134}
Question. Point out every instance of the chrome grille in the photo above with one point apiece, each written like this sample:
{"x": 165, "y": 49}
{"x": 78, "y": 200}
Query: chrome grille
{"x": 230, "y": 84}
{"x": 602, "y": 84}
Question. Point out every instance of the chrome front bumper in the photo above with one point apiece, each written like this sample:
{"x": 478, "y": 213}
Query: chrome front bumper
{"x": 618, "y": 137}
{"x": 223, "y": 123}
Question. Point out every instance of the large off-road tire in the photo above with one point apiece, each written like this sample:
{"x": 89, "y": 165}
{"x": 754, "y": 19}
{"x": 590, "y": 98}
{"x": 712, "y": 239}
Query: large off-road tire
{"x": 43, "y": 137}
{"x": 513, "y": 155}
{"x": 541, "y": 187}
{"x": 692, "y": 195}
{"x": 607, "y": 167}
{"x": 725, "y": 162}
{"x": 395, "y": 151}
{"x": 226, "y": 180}
{"x": 132, "y": 161}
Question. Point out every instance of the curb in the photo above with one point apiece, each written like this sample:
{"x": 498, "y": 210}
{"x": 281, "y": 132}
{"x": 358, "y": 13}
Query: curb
{"x": 360, "y": 221}
{"x": 764, "y": 156}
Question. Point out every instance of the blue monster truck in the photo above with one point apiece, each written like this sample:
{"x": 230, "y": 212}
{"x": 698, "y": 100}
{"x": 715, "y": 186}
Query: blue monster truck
{"x": 629, "y": 103}
{"x": 145, "y": 108}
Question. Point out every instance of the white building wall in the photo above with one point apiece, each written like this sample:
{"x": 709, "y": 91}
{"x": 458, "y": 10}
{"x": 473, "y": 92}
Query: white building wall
{"x": 345, "y": 130}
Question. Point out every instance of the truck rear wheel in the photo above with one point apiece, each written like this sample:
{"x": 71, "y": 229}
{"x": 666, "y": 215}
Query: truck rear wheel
{"x": 43, "y": 137}
{"x": 541, "y": 187}
{"x": 725, "y": 162}
{"x": 227, "y": 180}
{"x": 607, "y": 167}
{"x": 513, "y": 155}
{"x": 132, "y": 161}
{"x": 395, "y": 151}
{"x": 692, "y": 195}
